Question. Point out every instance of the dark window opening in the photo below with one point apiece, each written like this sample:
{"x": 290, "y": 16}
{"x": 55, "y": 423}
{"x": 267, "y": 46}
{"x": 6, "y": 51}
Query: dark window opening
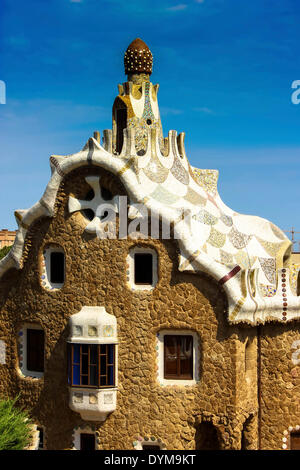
{"x": 41, "y": 438}
{"x": 178, "y": 357}
{"x": 121, "y": 125}
{"x": 149, "y": 122}
{"x": 92, "y": 365}
{"x": 57, "y": 267}
{"x": 87, "y": 441}
{"x": 143, "y": 268}
{"x": 295, "y": 441}
{"x": 35, "y": 350}
{"x": 150, "y": 447}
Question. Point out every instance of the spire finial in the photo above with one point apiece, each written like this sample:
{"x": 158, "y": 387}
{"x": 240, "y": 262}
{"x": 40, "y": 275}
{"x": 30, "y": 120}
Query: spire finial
{"x": 138, "y": 58}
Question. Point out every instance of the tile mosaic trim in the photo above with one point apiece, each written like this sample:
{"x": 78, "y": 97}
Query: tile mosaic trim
{"x": 45, "y": 267}
{"x": 267, "y": 290}
{"x": 270, "y": 247}
{"x": 268, "y": 266}
{"x": 86, "y": 429}
{"x": 284, "y": 295}
{"x": 238, "y": 240}
{"x": 206, "y": 218}
{"x": 216, "y": 238}
{"x": 140, "y": 441}
{"x": 207, "y": 179}
{"x": 177, "y": 170}
{"x": 287, "y": 434}
{"x": 228, "y": 276}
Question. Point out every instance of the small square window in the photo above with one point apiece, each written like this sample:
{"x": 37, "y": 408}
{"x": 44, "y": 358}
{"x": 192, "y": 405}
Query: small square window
{"x": 87, "y": 441}
{"x": 142, "y": 271}
{"x": 143, "y": 268}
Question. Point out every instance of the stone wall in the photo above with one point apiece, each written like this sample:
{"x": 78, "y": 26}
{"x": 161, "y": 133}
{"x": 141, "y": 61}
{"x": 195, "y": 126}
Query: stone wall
{"x": 223, "y": 405}
{"x": 280, "y": 384}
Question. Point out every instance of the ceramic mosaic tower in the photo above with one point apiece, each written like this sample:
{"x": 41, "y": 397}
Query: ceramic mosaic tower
{"x": 136, "y": 106}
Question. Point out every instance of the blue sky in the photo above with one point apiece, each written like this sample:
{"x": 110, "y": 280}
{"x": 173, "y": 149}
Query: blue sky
{"x": 225, "y": 69}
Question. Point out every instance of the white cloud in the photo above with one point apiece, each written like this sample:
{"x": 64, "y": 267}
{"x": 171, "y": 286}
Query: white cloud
{"x": 180, "y": 7}
{"x": 204, "y": 110}
{"x": 164, "y": 111}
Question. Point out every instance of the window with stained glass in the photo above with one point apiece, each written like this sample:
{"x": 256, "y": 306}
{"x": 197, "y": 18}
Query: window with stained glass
{"x": 92, "y": 365}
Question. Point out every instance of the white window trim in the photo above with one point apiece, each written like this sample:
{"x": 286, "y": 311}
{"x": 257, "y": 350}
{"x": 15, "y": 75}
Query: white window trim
{"x": 23, "y": 351}
{"x": 45, "y": 275}
{"x": 78, "y": 432}
{"x": 130, "y": 270}
{"x": 160, "y": 357}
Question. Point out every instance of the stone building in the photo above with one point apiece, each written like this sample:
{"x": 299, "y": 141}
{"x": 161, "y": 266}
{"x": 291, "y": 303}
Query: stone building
{"x": 174, "y": 331}
{"x": 7, "y": 237}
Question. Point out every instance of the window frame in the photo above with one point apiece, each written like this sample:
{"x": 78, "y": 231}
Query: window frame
{"x": 161, "y": 358}
{"x": 83, "y": 429}
{"x": 23, "y": 348}
{"x": 46, "y": 267}
{"x": 71, "y": 365}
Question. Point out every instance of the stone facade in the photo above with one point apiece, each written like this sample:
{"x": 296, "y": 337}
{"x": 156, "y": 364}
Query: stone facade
{"x": 7, "y": 237}
{"x": 226, "y": 397}
{"x": 246, "y": 386}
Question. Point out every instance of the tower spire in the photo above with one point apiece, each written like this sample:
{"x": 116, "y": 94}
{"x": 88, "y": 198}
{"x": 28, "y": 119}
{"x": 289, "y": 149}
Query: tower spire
{"x": 136, "y": 106}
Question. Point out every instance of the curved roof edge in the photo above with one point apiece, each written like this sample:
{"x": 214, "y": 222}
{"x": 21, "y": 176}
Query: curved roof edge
{"x": 245, "y": 303}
